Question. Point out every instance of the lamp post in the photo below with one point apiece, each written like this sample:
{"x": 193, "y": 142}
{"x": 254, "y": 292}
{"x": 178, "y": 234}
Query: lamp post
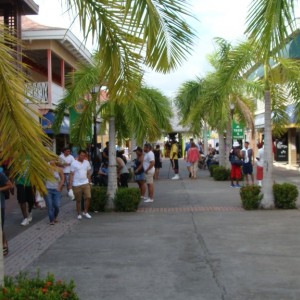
{"x": 94, "y": 93}
{"x": 231, "y": 114}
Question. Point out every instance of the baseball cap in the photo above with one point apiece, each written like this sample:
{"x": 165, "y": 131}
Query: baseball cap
{"x": 236, "y": 144}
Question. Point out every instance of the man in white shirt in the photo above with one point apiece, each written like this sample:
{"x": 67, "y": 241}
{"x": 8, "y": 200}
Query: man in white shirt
{"x": 80, "y": 182}
{"x": 66, "y": 160}
{"x": 247, "y": 155}
{"x": 148, "y": 165}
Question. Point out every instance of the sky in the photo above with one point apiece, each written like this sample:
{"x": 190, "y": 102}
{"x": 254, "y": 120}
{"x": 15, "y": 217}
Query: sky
{"x": 216, "y": 18}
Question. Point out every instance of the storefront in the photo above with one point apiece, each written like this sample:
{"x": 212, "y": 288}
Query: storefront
{"x": 60, "y": 140}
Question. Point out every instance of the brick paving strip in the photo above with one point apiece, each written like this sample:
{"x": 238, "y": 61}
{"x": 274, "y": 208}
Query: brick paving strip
{"x": 37, "y": 238}
{"x": 188, "y": 209}
{"x": 31, "y": 243}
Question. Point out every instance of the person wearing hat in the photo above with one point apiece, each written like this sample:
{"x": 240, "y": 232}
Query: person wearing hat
{"x": 247, "y": 155}
{"x": 236, "y": 162}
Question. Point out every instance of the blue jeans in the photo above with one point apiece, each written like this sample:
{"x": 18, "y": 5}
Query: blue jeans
{"x": 52, "y": 201}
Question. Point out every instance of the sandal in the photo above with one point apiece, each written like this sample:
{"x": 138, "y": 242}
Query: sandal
{"x": 5, "y": 250}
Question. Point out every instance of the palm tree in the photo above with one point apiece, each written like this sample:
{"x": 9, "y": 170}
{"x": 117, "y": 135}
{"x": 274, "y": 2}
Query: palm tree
{"x": 145, "y": 116}
{"x": 130, "y": 34}
{"x": 269, "y": 26}
{"x": 209, "y": 99}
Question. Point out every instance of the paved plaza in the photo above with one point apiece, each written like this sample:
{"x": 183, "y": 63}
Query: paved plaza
{"x": 194, "y": 242}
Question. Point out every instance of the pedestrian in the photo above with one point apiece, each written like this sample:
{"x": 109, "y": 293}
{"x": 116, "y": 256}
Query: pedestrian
{"x": 186, "y": 149}
{"x": 5, "y": 185}
{"x": 148, "y": 165}
{"x": 105, "y": 153}
{"x": 54, "y": 188}
{"x": 139, "y": 174}
{"x": 236, "y": 161}
{"x": 247, "y": 156}
{"x": 122, "y": 170}
{"x": 66, "y": 159}
{"x": 174, "y": 159}
{"x": 193, "y": 158}
{"x": 158, "y": 161}
{"x": 260, "y": 163}
{"x": 80, "y": 182}
{"x": 102, "y": 178}
{"x": 25, "y": 197}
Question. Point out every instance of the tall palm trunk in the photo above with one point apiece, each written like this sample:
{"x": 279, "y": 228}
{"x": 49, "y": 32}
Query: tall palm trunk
{"x": 222, "y": 155}
{"x": 205, "y": 139}
{"x": 267, "y": 189}
{"x": 112, "y": 170}
{"x": 228, "y": 142}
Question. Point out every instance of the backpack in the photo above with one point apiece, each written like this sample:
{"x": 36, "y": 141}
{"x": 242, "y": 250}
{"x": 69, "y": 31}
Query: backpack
{"x": 234, "y": 159}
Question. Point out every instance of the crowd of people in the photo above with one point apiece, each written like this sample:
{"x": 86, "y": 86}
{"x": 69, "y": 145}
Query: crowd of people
{"x": 77, "y": 176}
{"x": 242, "y": 161}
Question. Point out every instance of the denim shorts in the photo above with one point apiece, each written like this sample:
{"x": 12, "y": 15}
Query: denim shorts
{"x": 140, "y": 177}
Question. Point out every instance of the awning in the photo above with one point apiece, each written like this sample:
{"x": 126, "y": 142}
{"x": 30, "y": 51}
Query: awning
{"x": 47, "y": 122}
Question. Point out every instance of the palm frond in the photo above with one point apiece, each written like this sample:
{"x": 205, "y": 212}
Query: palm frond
{"x": 132, "y": 32}
{"x": 269, "y": 23}
{"x": 22, "y": 139}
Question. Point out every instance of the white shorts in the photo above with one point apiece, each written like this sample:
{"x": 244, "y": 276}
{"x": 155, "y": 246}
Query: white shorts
{"x": 149, "y": 178}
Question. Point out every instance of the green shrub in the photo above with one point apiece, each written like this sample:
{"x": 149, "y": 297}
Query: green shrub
{"x": 98, "y": 198}
{"x": 251, "y": 196}
{"x": 127, "y": 199}
{"x": 211, "y": 169}
{"x": 22, "y": 287}
{"x": 221, "y": 173}
{"x": 285, "y": 195}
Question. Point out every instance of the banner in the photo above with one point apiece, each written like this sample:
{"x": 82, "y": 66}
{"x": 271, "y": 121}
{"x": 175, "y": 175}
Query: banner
{"x": 74, "y": 116}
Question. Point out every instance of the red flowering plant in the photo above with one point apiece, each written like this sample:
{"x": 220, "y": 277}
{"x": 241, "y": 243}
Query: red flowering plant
{"x": 22, "y": 287}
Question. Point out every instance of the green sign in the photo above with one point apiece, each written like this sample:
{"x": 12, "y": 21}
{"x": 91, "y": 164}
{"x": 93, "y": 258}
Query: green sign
{"x": 237, "y": 131}
{"x": 208, "y": 133}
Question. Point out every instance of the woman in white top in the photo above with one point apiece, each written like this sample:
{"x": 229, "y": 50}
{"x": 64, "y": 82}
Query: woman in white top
{"x": 122, "y": 170}
{"x": 54, "y": 188}
{"x": 260, "y": 164}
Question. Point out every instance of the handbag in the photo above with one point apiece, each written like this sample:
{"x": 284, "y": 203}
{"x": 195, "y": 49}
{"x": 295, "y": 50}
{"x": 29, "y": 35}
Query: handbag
{"x": 236, "y": 161}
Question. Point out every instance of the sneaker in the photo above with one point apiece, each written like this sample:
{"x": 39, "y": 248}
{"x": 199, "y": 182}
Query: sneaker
{"x": 29, "y": 217}
{"x": 232, "y": 185}
{"x": 79, "y": 217}
{"x": 143, "y": 198}
{"x": 148, "y": 200}
{"x": 25, "y": 222}
{"x": 87, "y": 215}
{"x": 238, "y": 186}
{"x": 175, "y": 177}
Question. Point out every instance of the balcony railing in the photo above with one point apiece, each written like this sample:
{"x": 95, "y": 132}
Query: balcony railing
{"x": 39, "y": 92}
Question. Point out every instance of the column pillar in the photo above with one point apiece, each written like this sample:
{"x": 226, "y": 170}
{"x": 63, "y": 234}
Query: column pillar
{"x": 292, "y": 147}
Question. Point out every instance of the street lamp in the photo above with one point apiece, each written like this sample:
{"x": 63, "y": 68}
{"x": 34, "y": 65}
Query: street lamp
{"x": 94, "y": 92}
{"x": 231, "y": 114}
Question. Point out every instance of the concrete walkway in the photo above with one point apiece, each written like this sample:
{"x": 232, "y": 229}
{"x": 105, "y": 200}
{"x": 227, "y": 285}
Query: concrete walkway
{"x": 194, "y": 242}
